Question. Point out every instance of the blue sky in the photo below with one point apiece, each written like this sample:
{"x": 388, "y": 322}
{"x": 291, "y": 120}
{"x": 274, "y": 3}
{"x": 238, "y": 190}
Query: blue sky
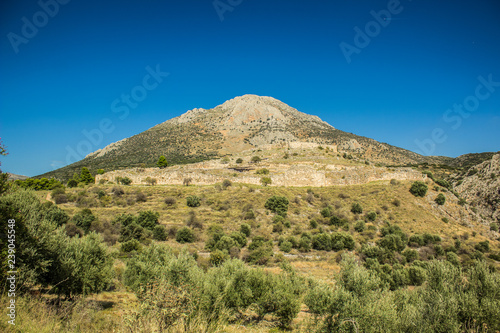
{"x": 406, "y": 72}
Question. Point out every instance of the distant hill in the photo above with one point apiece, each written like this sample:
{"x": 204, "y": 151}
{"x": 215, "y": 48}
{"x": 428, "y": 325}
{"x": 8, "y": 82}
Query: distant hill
{"x": 16, "y": 177}
{"x": 243, "y": 123}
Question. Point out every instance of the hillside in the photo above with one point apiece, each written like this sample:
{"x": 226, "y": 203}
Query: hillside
{"x": 240, "y": 124}
{"x": 480, "y": 186}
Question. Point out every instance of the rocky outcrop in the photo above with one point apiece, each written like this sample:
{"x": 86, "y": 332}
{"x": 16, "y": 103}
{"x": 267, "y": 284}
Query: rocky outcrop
{"x": 481, "y": 187}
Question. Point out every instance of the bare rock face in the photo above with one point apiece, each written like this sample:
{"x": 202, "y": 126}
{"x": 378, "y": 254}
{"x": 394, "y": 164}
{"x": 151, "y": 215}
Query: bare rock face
{"x": 481, "y": 187}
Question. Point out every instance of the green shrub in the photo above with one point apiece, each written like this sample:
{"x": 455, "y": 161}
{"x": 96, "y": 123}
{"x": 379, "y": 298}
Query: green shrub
{"x": 131, "y": 231}
{"x": 371, "y": 216}
{"x": 162, "y": 162}
{"x": 218, "y": 257}
{"x": 356, "y": 208}
{"x": 239, "y": 161}
{"x": 84, "y": 219}
{"x": 226, "y": 183}
{"x": 72, "y": 183}
{"x": 417, "y": 240}
{"x": 440, "y": 199}
{"x": 326, "y": 212}
{"x": 286, "y": 246}
{"x": 417, "y": 275}
{"x": 261, "y": 254}
{"x": 278, "y": 227}
{"x": 263, "y": 171}
{"x": 392, "y": 242}
{"x": 439, "y": 250}
{"x": 193, "y": 201}
{"x": 160, "y": 233}
{"x": 184, "y": 235}
{"x": 418, "y": 189}
{"x": 313, "y": 224}
{"x": 494, "y": 226}
{"x": 483, "y": 246}
{"x": 410, "y": 254}
{"x": 359, "y": 226}
{"x": 453, "y": 258}
{"x": 256, "y": 159}
{"x": 148, "y": 219}
{"x": 239, "y": 238}
{"x": 341, "y": 240}
{"x": 278, "y": 205}
{"x": 304, "y": 244}
{"x": 130, "y": 245}
{"x": 125, "y": 181}
{"x": 245, "y": 229}
{"x": 443, "y": 183}
{"x": 266, "y": 181}
{"x": 322, "y": 242}
{"x": 124, "y": 219}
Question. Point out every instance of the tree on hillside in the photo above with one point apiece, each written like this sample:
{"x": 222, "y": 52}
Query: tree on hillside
{"x": 256, "y": 159}
{"x": 266, "y": 181}
{"x": 418, "y": 189}
{"x": 440, "y": 199}
{"x": 3, "y": 176}
{"x": 162, "y": 162}
{"x": 86, "y": 177}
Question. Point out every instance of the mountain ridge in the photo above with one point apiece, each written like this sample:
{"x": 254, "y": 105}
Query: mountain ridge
{"x": 239, "y": 124}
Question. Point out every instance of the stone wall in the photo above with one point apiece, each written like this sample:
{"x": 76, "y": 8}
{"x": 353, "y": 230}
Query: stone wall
{"x": 300, "y": 175}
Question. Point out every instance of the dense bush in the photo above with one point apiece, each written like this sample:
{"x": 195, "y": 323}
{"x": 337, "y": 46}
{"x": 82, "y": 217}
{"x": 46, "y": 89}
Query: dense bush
{"x": 418, "y": 189}
{"x": 226, "y": 183}
{"x": 160, "y": 233}
{"x": 239, "y": 238}
{"x": 440, "y": 199}
{"x": 123, "y": 180}
{"x": 193, "y": 201}
{"x": 39, "y": 184}
{"x": 322, "y": 242}
{"x": 443, "y": 183}
{"x": 84, "y": 219}
{"x": 148, "y": 219}
{"x": 359, "y": 226}
{"x": 218, "y": 257}
{"x": 483, "y": 246}
{"x": 130, "y": 245}
{"x": 45, "y": 255}
{"x": 185, "y": 235}
{"x": 278, "y": 205}
{"x": 263, "y": 171}
{"x": 342, "y": 240}
{"x": 326, "y": 212}
{"x": 286, "y": 246}
{"x": 131, "y": 231}
{"x": 356, "y": 208}
{"x": 245, "y": 229}
{"x": 371, "y": 216}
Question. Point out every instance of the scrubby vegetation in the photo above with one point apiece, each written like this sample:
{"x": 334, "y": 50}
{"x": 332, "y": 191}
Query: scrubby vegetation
{"x": 204, "y": 259}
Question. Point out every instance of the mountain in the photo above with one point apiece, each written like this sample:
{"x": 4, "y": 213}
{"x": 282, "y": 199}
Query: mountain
{"x": 16, "y": 177}
{"x": 243, "y": 123}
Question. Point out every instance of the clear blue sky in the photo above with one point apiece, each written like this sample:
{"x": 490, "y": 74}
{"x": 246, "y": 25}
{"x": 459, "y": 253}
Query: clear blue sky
{"x": 418, "y": 63}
